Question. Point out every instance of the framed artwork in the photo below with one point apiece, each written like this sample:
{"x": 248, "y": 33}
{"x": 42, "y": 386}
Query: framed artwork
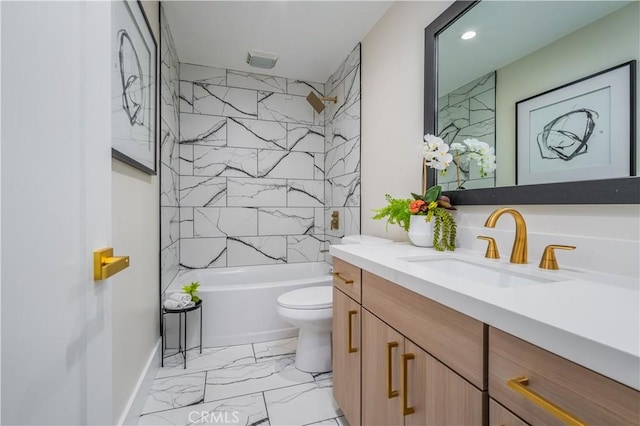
{"x": 133, "y": 87}
{"x": 580, "y": 131}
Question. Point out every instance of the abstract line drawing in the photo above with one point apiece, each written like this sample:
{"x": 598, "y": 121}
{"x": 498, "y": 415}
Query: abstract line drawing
{"x": 132, "y": 79}
{"x": 579, "y": 131}
{"x": 567, "y": 136}
{"x": 134, "y": 136}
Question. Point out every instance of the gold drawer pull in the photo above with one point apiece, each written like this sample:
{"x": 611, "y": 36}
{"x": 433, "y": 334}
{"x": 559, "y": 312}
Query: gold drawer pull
{"x": 390, "y": 393}
{"x": 341, "y": 278}
{"x": 405, "y": 385}
{"x": 519, "y": 384}
{"x": 351, "y": 315}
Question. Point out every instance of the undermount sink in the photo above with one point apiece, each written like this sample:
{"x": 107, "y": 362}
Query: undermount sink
{"x": 489, "y": 275}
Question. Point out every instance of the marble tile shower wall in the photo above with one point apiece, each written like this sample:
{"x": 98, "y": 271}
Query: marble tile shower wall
{"x": 342, "y": 147}
{"x": 468, "y": 112}
{"x": 169, "y": 155}
{"x": 251, "y": 169}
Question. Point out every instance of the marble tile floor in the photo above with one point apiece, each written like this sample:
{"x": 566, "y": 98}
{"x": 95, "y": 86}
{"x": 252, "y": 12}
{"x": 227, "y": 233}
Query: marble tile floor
{"x": 253, "y": 384}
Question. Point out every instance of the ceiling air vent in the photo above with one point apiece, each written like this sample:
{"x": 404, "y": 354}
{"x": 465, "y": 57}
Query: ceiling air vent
{"x": 260, "y": 59}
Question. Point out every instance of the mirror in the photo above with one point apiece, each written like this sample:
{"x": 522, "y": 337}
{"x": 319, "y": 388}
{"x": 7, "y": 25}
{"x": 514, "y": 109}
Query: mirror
{"x": 523, "y": 50}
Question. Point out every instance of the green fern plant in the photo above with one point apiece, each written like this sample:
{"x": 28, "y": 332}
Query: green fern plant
{"x": 433, "y": 205}
{"x": 396, "y": 212}
{"x": 191, "y": 290}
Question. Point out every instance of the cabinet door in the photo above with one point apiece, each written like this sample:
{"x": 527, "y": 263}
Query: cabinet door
{"x": 346, "y": 355}
{"x": 500, "y": 416}
{"x": 437, "y": 395}
{"x": 382, "y": 348}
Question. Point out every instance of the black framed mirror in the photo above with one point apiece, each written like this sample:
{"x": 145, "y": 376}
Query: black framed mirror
{"x": 623, "y": 190}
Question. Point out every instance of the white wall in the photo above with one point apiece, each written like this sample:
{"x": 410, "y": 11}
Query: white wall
{"x": 610, "y": 41}
{"x": 135, "y": 212}
{"x": 392, "y": 108}
{"x": 392, "y": 127}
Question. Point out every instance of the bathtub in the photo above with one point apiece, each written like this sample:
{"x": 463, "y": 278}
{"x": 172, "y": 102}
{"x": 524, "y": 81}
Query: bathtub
{"x": 239, "y": 303}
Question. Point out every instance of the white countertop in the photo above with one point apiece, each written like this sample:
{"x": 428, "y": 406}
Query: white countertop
{"x": 590, "y": 318}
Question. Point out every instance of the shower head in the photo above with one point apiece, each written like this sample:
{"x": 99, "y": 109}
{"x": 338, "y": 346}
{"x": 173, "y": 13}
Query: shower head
{"x": 317, "y": 103}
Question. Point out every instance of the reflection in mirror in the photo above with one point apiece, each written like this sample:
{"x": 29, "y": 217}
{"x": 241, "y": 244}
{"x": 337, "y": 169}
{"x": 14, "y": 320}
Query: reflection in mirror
{"x": 521, "y": 49}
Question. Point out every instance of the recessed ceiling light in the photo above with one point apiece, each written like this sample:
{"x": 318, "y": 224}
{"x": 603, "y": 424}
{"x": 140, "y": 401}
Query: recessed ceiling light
{"x": 468, "y": 35}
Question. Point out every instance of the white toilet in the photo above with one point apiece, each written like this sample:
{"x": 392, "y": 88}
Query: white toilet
{"x": 310, "y": 309}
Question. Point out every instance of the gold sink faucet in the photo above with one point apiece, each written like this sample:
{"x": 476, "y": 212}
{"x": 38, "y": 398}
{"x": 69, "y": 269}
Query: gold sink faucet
{"x": 519, "y": 250}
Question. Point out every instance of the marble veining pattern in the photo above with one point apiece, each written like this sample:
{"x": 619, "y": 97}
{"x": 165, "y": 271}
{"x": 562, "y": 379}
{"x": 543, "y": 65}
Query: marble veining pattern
{"x": 303, "y": 88}
{"x": 342, "y": 150}
{"x": 305, "y": 138}
{"x": 175, "y": 392}
{"x": 245, "y": 133}
{"x": 302, "y": 404}
{"x": 284, "y": 108}
{"x": 285, "y": 221}
{"x": 468, "y": 112}
{"x": 247, "y": 80}
{"x": 252, "y": 384}
{"x": 198, "y": 191}
{"x": 242, "y": 410}
{"x": 256, "y": 250}
{"x": 222, "y": 222}
{"x": 169, "y": 168}
{"x": 214, "y": 161}
{"x": 285, "y": 164}
{"x": 200, "y": 253}
{"x": 203, "y": 130}
{"x": 170, "y": 224}
{"x": 258, "y": 167}
{"x": 251, "y": 168}
{"x": 224, "y": 101}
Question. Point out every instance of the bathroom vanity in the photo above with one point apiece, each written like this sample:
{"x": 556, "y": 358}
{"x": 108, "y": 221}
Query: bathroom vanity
{"x": 415, "y": 343}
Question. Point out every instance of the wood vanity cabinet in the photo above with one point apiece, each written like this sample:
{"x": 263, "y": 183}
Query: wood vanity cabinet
{"x": 346, "y": 349}
{"x": 404, "y": 385}
{"x": 581, "y": 395}
{"x": 400, "y": 358}
{"x": 500, "y": 416}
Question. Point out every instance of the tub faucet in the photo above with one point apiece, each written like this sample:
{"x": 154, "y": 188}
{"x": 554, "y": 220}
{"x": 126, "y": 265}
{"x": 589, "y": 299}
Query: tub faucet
{"x": 519, "y": 250}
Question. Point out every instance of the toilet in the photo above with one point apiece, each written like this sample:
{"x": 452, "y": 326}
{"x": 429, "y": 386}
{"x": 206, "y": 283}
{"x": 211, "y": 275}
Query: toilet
{"x": 311, "y": 310}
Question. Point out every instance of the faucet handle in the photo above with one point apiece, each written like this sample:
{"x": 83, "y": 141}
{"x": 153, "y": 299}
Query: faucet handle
{"x": 492, "y": 248}
{"x": 549, "y": 260}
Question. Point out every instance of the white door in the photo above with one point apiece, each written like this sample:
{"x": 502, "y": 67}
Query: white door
{"x": 56, "y": 210}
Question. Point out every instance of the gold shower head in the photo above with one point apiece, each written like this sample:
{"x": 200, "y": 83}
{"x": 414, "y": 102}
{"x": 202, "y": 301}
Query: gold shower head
{"x": 317, "y": 103}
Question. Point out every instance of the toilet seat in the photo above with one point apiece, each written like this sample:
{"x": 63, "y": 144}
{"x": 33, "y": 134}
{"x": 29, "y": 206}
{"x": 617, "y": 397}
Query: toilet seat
{"x": 307, "y": 298}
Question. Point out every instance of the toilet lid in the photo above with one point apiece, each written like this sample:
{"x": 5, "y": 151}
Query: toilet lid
{"x": 308, "y": 298}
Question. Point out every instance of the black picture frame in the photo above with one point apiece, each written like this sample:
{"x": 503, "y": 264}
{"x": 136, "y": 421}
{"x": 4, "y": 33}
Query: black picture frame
{"x": 602, "y": 191}
{"x": 134, "y": 87}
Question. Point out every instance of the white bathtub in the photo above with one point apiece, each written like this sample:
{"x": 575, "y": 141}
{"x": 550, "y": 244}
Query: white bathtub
{"x": 239, "y": 303}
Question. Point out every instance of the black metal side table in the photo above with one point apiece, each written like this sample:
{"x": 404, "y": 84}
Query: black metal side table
{"x": 182, "y": 331}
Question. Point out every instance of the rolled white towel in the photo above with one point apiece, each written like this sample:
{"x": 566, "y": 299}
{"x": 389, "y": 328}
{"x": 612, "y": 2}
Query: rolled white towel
{"x": 174, "y": 304}
{"x": 183, "y": 298}
{"x": 189, "y": 305}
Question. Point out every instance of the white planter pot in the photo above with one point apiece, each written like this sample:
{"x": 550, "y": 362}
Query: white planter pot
{"x": 421, "y": 232}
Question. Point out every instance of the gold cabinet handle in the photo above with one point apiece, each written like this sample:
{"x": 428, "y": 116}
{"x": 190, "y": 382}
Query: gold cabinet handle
{"x": 492, "y": 248}
{"x": 105, "y": 264}
{"x": 549, "y": 260}
{"x": 351, "y": 315}
{"x": 519, "y": 384}
{"x": 405, "y": 384}
{"x": 390, "y": 393}
{"x": 341, "y": 278}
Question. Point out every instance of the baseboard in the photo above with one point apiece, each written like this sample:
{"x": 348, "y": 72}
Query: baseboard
{"x": 138, "y": 397}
